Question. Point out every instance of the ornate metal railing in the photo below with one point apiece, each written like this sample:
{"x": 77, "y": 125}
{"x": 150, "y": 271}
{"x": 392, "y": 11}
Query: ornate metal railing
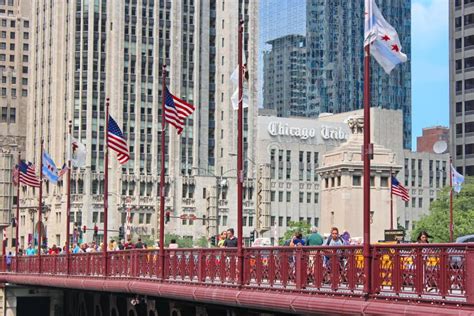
{"x": 434, "y": 272}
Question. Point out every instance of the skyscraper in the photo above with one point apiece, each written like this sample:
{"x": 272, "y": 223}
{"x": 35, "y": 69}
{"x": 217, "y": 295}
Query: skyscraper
{"x": 334, "y": 37}
{"x": 15, "y": 33}
{"x": 87, "y": 51}
{"x": 284, "y": 71}
{"x": 278, "y": 18}
{"x": 461, "y": 84}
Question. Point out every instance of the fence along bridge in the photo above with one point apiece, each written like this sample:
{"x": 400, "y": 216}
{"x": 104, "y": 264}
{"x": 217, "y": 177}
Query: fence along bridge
{"x": 406, "y": 278}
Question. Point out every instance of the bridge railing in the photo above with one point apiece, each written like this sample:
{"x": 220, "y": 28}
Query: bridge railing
{"x": 443, "y": 272}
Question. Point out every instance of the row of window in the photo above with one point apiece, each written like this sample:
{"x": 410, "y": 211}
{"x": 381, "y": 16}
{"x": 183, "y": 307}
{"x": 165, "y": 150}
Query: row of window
{"x": 3, "y": 46}
{"x": 24, "y": 92}
{"x": 457, "y": 3}
{"x": 308, "y": 162}
{"x": 311, "y": 221}
{"x": 9, "y": 2}
{"x": 310, "y": 197}
{"x": 4, "y": 23}
{"x": 3, "y": 34}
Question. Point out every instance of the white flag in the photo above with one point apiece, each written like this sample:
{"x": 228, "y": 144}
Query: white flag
{"x": 457, "y": 179}
{"x": 385, "y": 44}
{"x": 77, "y": 153}
{"x": 234, "y": 78}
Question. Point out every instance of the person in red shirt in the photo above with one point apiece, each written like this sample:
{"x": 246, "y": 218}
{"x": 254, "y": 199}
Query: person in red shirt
{"x": 54, "y": 250}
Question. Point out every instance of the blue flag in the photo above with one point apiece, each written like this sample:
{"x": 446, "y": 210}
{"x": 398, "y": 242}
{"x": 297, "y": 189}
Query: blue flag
{"x": 50, "y": 171}
{"x": 457, "y": 179}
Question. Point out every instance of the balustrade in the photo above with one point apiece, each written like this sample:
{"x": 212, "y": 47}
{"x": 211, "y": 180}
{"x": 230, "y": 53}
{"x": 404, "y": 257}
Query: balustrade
{"x": 438, "y": 272}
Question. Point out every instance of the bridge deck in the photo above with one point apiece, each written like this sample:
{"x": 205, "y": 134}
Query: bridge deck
{"x": 440, "y": 274}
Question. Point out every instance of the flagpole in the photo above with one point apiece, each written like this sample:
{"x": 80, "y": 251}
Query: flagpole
{"x": 451, "y": 223}
{"x": 240, "y": 173}
{"x": 40, "y": 207}
{"x": 106, "y": 183}
{"x": 162, "y": 177}
{"x": 367, "y": 151}
{"x": 68, "y": 200}
{"x": 391, "y": 200}
{"x": 17, "y": 230}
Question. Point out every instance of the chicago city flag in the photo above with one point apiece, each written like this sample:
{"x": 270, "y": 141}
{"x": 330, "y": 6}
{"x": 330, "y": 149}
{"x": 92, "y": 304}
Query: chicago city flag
{"x": 457, "y": 179}
{"x": 382, "y": 37}
{"x": 50, "y": 171}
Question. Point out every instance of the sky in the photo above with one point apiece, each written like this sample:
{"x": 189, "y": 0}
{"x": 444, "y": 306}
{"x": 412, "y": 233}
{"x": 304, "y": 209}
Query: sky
{"x": 430, "y": 65}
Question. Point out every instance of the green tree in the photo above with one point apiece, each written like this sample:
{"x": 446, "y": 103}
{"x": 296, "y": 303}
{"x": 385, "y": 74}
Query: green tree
{"x": 436, "y": 223}
{"x": 183, "y": 242}
{"x": 293, "y": 227}
{"x": 202, "y": 242}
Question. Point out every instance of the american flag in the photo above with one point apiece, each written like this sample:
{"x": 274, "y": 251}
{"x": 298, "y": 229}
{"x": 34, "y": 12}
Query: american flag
{"x": 176, "y": 110}
{"x": 28, "y": 174}
{"x": 117, "y": 142}
{"x": 400, "y": 190}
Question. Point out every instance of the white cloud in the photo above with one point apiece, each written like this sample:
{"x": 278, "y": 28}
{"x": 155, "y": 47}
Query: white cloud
{"x": 429, "y": 23}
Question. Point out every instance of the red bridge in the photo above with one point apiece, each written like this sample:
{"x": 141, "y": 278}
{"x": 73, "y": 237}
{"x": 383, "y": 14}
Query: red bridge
{"x": 406, "y": 278}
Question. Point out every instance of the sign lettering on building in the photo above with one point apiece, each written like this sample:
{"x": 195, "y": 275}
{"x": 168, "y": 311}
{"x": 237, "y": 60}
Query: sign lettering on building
{"x": 326, "y": 132}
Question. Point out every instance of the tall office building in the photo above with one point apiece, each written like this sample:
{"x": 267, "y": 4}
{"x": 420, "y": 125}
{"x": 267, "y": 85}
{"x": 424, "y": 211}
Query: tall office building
{"x": 334, "y": 37}
{"x": 15, "y": 33}
{"x": 284, "y": 71}
{"x": 461, "y": 79}
{"x": 87, "y": 51}
{"x": 277, "y": 18}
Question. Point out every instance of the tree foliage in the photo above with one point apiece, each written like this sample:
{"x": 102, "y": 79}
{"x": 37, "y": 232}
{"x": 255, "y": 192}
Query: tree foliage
{"x": 183, "y": 242}
{"x": 436, "y": 223}
{"x": 202, "y": 242}
{"x": 293, "y": 227}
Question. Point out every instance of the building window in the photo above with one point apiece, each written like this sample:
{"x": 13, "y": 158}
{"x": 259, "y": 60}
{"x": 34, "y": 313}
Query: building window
{"x": 413, "y": 202}
{"x": 4, "y": 116}
{"x": 272, "y": 196}
{"x": 356, "y": 180}
{"x": 148, "y": 218}
{"x": 250, "y": 221}
{"x": 301, "y": 197}
{"x": 308, "y": 197}
{"x": 288, "y": 220}
{"x": 12, "y": 115}
{"x": 420, "y": 202}
{"x": 280, "y": 221}
{"x": 316, "y": 198}
{"x": 384, "y": 182}
{"x": 288, "y": 196}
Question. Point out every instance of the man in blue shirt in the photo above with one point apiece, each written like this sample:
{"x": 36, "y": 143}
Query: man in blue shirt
{"x": 30, "y": 251}
{"x": 297, "y": 240}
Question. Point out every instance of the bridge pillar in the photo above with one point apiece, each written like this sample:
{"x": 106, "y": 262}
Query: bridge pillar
{"x": 20, "y": 301}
